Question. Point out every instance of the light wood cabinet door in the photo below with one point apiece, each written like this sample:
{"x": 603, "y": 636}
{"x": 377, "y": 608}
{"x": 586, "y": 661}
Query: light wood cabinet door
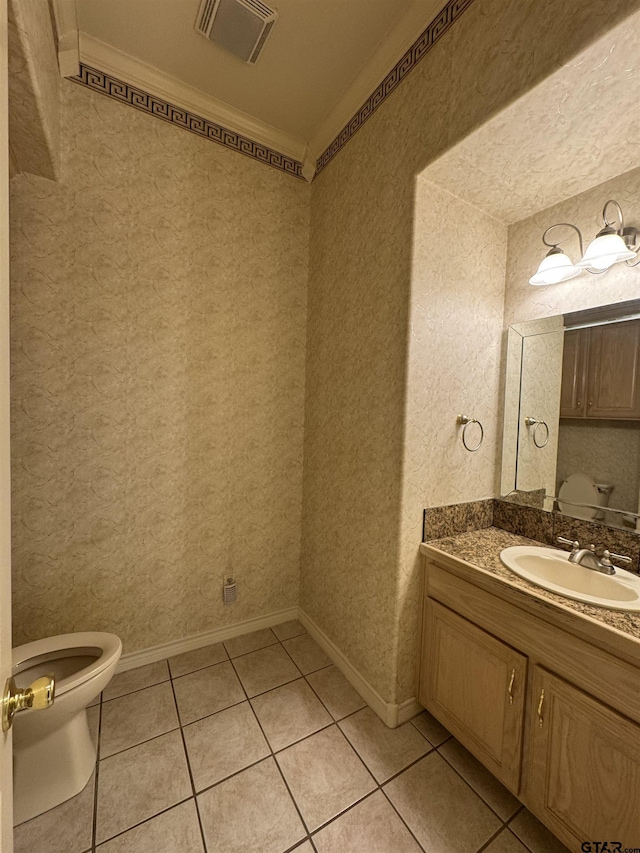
{"x": 475, "y": 685}
{"x": 573, "y": 401}
{"x": 583, "y": 769}
{"x": 613, "y": 379}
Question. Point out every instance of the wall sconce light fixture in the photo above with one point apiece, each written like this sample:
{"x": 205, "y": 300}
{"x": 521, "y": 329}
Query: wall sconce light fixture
{"x": 611, "y": 245}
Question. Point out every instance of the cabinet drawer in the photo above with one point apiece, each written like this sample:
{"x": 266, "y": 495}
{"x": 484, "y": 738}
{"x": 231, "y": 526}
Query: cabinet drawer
{"x": 475, "y": 685}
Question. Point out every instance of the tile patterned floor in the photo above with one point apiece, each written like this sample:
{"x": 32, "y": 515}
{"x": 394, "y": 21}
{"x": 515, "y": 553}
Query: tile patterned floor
{"x": 260, "y": 744}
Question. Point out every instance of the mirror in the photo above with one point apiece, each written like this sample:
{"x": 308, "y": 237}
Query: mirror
{"x": 571, "y": 435}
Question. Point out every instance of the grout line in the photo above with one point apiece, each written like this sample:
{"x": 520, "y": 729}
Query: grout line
{"x": 95, "y": 781}
{"x": 142, "y": 822}
{"x": 279, "y": 769}
{"x": 191, "y": 671}
{"x": 477, "y": 793}
{"x": 142, "y": 742}
{"x": 491, "y": 839}
{"x": 186, "y": 755}
{"x": 137, "y": 690}
{"x": 393, "y": 806}
{"x": 253, "y": 651}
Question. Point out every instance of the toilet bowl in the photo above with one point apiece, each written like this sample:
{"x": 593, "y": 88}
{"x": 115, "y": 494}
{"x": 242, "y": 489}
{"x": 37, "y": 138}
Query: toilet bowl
{"x": 582, "y": 489}
{"x": 53, "y": 753}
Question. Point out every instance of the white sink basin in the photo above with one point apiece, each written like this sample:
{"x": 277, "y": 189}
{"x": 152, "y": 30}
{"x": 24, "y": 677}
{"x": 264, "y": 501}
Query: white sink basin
{"x": 551, "y": 569}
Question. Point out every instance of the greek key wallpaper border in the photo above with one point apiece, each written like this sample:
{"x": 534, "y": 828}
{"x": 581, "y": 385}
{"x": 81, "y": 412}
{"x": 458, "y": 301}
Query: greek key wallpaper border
{"x": 419, "y": 49}
{"x": 99, "y": 81}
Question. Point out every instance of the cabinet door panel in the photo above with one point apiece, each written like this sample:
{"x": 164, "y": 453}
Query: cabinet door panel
{"x": 583, "y": 774}
{"x": 574, "y": 369}
{"x": 614, "y": 375}
{"x": 475, "y": 685}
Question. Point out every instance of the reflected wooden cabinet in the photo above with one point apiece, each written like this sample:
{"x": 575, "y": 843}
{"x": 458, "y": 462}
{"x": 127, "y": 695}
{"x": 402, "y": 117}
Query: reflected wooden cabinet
{"x": 476, "y": 684}
{"x": 601, "y": 372}
{"x": 574, "y": 373}
{"x": 583, "y": 777}
{"x": 552, "y": 716}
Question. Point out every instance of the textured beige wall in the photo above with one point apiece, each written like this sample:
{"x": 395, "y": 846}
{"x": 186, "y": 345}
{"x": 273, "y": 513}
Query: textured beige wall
{"x": 34, "y": 89}
{"x": 454, "y": 349}
{"x": 360, "y": 538}
{"x": 158, "y": 330}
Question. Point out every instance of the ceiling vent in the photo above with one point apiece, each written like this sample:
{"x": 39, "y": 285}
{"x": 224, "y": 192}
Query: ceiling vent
{"x": 239, "y": 26}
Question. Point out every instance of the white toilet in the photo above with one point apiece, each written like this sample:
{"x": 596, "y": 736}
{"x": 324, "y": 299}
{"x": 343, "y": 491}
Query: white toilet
{"x": 582, "y": 489}
{"x": 53, "y": 753}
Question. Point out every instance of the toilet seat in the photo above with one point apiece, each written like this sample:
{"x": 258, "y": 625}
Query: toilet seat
{"x": 88, "y": 654}
{"x": 578, "y": 489}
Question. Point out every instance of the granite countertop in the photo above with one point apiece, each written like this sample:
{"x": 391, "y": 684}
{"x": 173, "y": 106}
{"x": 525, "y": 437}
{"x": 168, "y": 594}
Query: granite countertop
{"x": 482, "y": 548}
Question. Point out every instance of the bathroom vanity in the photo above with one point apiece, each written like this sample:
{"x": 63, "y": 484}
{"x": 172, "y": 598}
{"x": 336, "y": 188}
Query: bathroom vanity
{"x": 543, "y": 690}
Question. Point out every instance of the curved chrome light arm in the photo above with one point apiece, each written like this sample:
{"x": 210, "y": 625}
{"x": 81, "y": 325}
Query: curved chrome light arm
{"x": 608, "y": 224}
{"x": 558, "y": 242}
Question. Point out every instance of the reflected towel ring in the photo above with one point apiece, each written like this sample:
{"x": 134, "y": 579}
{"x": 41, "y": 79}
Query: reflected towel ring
{"x": 466, "y": 421}
{"x": 535, "y": 423}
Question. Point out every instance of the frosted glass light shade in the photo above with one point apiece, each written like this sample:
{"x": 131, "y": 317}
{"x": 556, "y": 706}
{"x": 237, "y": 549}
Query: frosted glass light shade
{"x": 604, "y": 251}
{"x": 554, "y": 268}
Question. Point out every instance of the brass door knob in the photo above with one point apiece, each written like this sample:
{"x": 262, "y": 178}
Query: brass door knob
{"x": 38, "y": 695}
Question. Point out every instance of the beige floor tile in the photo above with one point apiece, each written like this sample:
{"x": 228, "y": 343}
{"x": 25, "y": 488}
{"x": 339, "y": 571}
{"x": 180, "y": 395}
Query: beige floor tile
{"x": 306, "y": 653}
{"x": 304, "y": 848}
{"x": 441, "y": 810}
{"x": 506, "y": 842}
{"x": 246, "y": 643}
{"x": 535, "y": 835}
{"x": 264, "y": 818}
{"x": 428, "y": 726}
{"x": 136, "y": 679}
{"x": 136, "y": 717}
{"x": 265, "y": 669}
{"x": 385, "y": 751}
{"x": 175, "y": 831}
{"x": 325, "y": 776}
{"x": 197, "y": 659}
{"x": 372, "y": 826}
{"x": 95, "y": 701}
{"x": 337, "y": 694}
{"x": 286, "y": 630}
{"x": 484, "y": 783}
{"x": 207, "y": 691}
{"x": 136, "y": 784}
{"x": 289, "y": 713}
{"x": 66, "y": 829}
{"x": 223, "y": 744}
{"x": 93, "y": 719}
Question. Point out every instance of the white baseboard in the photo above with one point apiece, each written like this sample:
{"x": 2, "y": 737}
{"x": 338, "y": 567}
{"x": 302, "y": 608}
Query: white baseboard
{"x": 408, "y": 710}
{"x": 391, "y": 714}
{"x": 196, "y": 641}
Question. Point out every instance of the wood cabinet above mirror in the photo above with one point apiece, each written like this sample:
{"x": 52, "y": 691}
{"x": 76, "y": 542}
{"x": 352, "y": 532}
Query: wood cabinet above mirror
{"x": 601, "y": 372}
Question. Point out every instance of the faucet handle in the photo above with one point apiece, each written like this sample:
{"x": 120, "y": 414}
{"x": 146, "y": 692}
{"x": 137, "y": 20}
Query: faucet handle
{"x": 606, "y": 558}
{"x": 575, "y": 545}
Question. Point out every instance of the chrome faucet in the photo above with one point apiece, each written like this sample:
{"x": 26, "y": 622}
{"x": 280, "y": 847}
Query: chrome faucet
{"x": 588, "y": 558}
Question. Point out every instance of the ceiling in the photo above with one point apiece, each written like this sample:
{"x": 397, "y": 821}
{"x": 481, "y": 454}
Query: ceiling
{"x": 314, "y": 54}
{"x": 577, "y": 129}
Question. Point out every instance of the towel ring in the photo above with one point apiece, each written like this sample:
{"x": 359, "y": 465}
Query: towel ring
{"x": 535, "y": 423}
{"x": 465, "y": 421}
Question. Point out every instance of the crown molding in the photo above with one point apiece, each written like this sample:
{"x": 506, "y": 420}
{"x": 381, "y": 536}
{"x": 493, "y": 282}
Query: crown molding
{"x": 428, "y": 38}
{"x": 116, "y": 63}
{"x": 400, "y": 39}
{"x": 65, "y": 15}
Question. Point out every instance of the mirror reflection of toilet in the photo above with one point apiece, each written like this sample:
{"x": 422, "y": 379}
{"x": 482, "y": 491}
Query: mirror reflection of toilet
{"x": 582, "y": 489}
